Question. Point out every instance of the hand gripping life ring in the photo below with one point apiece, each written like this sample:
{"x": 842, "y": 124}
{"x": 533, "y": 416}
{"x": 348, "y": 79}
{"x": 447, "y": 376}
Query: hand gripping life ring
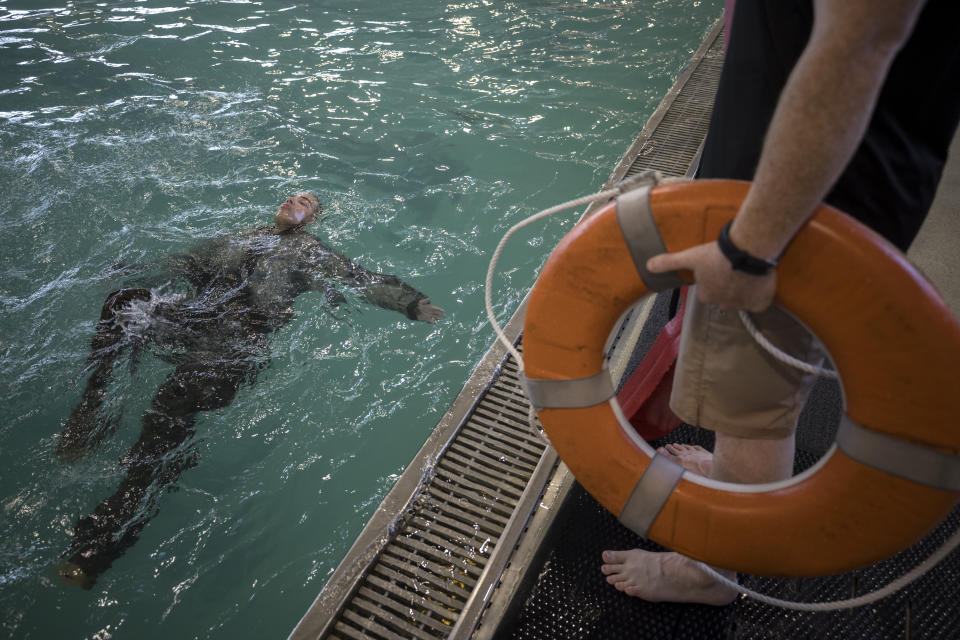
{"x": 894, "y": 472}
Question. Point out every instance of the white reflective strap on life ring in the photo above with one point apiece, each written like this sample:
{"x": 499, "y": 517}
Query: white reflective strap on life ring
{"x": 570, "y": 394}
{"x": 643, "y": 238}
{"x": 908, "y": 460}
{"x": 651, "y": 492}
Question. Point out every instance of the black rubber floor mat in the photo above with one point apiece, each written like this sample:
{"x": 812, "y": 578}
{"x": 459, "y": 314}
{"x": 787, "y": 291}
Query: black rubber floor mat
{"x": 571, "y": 599}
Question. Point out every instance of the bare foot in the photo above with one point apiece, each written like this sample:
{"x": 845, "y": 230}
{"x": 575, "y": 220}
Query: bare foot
{"x": 663, "y": 577}
{"x": 689, "y": 456}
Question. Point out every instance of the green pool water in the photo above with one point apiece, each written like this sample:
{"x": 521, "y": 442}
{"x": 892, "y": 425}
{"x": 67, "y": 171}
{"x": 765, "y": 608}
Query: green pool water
{"x": 130, "y": 130}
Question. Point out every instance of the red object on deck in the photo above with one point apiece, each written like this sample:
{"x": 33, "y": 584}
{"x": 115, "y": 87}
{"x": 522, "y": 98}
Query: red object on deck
{"x": 645, "y": 398}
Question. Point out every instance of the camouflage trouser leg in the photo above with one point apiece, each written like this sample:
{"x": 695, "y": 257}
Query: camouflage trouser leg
{"x": 81, "y": 432}
{"x": 155, "y": 460}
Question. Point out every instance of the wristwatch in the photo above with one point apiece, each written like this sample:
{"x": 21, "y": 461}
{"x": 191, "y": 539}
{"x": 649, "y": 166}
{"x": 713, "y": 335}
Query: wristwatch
{"x": 739, "y": 259}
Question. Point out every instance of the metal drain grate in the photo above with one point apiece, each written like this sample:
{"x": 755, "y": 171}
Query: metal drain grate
{"x": 678, "y": 138}
{"x": 423, "y": 578}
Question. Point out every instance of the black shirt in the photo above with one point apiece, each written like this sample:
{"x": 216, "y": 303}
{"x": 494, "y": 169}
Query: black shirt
{"x": 892, "y": 178}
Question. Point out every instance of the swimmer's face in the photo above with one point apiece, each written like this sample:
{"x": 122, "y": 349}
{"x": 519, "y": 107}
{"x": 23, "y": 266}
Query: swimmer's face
{"x": 296, "y": 210}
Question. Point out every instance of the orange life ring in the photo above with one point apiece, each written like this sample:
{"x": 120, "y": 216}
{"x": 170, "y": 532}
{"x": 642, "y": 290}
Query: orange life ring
{"x": 896, "y": 345}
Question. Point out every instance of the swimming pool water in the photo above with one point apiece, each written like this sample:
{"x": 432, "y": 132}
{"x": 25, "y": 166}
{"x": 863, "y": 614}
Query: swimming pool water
{"x": 133, "y": 129}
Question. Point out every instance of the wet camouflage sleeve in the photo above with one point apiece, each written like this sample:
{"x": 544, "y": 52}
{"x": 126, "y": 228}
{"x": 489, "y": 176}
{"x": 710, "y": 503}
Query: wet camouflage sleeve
{"x": 383, "y": 290}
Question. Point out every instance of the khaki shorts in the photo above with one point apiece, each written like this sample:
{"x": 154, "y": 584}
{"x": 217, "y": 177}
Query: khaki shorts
{"x": 726, "y": 382}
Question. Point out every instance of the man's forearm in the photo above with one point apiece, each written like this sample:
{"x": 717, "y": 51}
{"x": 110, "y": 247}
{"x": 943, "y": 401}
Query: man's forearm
{"x": 821, "y": 117}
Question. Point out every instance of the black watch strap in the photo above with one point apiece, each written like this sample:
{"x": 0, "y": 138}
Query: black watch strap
{"x": 740, "y": 259}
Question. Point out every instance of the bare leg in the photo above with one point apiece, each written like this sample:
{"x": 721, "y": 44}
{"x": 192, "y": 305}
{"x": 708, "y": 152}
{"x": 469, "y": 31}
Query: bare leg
{"x": 672, "y": 577}
{"x": 156, "y": 460}
{"x": 749, "y": 461}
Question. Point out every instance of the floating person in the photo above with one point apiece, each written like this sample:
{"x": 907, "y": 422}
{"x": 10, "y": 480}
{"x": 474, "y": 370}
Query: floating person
{"x": 243, "y": 287}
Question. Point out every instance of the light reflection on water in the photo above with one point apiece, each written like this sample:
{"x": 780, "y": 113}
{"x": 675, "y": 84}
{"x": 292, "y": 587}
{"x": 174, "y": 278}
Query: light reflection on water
{"x": 133, "y": 129}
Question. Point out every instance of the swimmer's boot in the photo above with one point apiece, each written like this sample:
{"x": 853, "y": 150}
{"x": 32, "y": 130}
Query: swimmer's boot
{"x": 93, "y": 554}
{"x": 107, "y": 533}
{"x": 74, "y": 575}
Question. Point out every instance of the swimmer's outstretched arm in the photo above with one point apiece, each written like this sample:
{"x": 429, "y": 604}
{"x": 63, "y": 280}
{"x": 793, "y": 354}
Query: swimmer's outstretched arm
{"x": 383, "y": 290}
{"x": 390, "y": 292}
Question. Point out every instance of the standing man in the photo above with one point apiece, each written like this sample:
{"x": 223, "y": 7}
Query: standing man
{"x": 244, "y": 286}
{"x": 852, "y": 102}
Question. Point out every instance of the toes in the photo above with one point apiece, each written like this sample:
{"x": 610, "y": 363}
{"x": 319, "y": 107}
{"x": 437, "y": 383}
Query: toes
{"x": 668, "y": 454}
{"x": 637, "y": 592}
{"x": 615, "y": 557}
{"x": 682, "y": 449}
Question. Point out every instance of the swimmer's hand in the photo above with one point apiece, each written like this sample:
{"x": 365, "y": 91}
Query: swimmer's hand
{"x": 426, "y": 312}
